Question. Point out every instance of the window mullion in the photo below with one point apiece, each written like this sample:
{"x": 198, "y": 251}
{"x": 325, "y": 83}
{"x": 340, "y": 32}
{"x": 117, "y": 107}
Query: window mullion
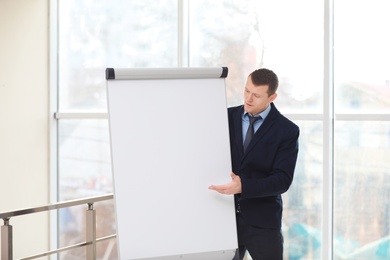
{"x": 328, "y": 130}
{"x": 182, "y": 33}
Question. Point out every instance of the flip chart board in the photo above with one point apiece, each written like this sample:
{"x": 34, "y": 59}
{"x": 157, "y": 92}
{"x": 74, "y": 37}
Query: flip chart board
{"x": 169, "y": 141}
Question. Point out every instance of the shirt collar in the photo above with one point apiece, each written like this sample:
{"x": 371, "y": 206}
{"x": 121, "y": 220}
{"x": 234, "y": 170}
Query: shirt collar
{"x": 263, "y": 114}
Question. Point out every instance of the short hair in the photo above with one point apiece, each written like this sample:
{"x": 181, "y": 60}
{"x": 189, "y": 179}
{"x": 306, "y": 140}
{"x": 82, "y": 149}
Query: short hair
{"x": 265, "y": 77}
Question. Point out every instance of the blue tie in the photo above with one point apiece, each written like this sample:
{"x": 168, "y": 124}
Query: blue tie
{"x": 251, "y": 131}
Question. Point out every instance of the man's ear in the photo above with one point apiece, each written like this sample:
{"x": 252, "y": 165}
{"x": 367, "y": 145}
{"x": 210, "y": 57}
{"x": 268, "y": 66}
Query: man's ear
{"x": 272, "y": 97}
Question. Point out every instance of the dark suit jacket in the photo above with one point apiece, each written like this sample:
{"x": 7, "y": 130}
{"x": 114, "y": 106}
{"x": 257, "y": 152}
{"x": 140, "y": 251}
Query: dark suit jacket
{"x": 266, "y": 168}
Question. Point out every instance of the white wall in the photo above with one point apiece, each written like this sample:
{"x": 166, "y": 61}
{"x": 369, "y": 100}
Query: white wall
{"x": 24, "y": 119}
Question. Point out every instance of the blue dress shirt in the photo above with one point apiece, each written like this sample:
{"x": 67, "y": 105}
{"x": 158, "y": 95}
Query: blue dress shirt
{"x": 256, "y": 125}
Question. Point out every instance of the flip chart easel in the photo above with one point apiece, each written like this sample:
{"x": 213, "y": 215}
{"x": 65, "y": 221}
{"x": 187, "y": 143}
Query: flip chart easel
{"x": 169, "y": 141}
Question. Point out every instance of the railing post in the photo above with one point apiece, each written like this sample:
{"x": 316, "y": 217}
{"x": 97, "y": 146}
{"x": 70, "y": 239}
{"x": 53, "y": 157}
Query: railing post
{"x": 6, "y": 240}
{"x": 91, "y": 232}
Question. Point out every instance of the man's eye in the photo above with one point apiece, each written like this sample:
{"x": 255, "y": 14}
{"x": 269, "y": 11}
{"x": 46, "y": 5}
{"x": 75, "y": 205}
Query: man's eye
{"x": 256, "y": 96}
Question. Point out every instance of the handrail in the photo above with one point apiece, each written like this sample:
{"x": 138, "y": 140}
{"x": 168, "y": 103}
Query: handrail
{"x": 90, "y": 243}
{"x": 67, "y": 248}
{"x": 57, "y": 205}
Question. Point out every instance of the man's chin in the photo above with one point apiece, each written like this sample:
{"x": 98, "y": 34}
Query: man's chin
{"x": 247, "y": 109}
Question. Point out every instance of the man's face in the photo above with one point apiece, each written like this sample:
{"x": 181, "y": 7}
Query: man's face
{"x": 256, "y": 98}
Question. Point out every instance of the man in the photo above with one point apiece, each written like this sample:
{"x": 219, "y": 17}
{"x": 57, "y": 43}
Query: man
{"x": 263, "y": 170}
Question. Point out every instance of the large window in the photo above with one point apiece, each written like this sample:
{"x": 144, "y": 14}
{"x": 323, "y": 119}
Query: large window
{"x": 362, "y": 130}
{"x": 285, "y": 36}
{"x": 252, "y": 34}
{"x": 94, "y": 35}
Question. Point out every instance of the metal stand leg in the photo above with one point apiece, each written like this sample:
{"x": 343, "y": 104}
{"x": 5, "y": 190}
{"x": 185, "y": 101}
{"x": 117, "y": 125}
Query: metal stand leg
{"x": 6, "y": 240}
{"x": 91, "y": 232}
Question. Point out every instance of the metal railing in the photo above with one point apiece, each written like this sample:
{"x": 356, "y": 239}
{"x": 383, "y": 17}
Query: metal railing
{"x": 91, "y": 240}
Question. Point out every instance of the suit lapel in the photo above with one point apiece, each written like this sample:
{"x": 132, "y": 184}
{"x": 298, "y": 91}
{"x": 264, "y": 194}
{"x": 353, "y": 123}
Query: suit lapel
{"x": 238, "y": 129}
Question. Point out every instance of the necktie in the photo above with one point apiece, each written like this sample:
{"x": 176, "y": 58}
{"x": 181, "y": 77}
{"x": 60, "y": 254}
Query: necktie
{"x": 250, "y": 132}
